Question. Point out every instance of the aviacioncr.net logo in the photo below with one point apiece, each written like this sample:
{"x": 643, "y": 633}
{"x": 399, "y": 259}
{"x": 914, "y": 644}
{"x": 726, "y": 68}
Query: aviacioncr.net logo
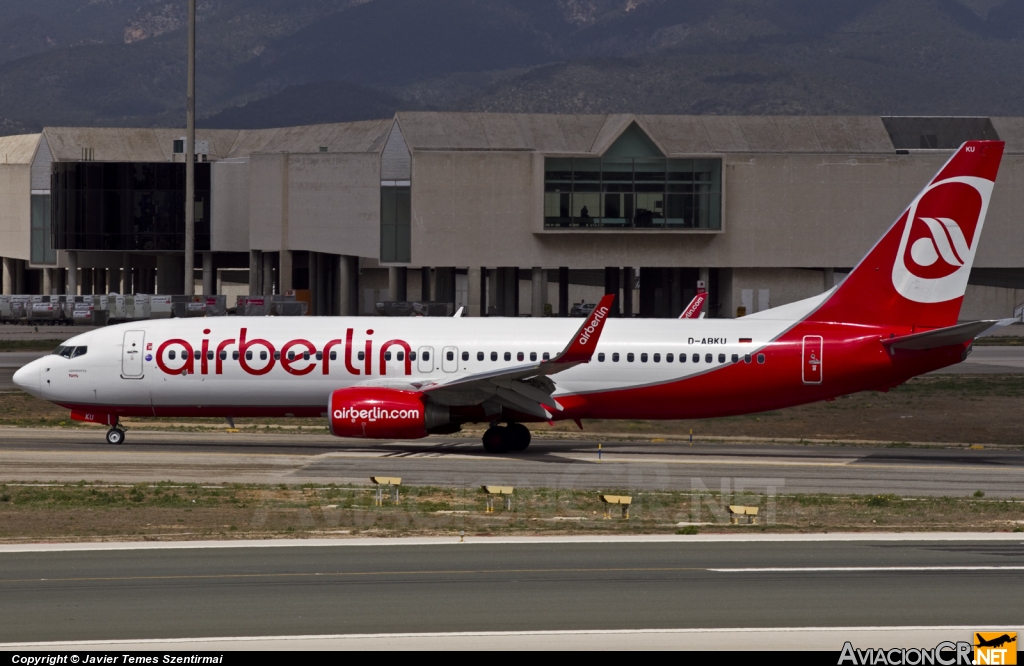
{"x": 939, "y": 239}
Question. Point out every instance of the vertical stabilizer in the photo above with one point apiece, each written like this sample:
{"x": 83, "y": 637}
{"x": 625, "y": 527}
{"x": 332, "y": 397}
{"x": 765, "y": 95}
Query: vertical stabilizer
{"x": 917, "y": 273}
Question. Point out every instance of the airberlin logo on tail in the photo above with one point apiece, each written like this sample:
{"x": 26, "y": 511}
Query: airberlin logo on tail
{"x": 943, "y": 251}
{"x": 940, "y": 235}
{"x": 599, "y": 314}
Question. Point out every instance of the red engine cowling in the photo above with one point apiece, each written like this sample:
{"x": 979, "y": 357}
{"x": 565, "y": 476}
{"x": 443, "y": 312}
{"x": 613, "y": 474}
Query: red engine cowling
{"x": 377, "y": 413}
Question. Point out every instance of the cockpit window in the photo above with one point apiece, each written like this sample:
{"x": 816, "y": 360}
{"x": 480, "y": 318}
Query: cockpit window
{"x": 69, "y": 351}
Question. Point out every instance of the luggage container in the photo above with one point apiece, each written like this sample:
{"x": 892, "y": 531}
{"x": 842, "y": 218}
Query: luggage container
{"x": 46, "y": 312}
{"x": 140, "y": 306}
{"x": 288, "y": 306}
{"x": 253, "y": 306}
{"x": 160, "y": 307}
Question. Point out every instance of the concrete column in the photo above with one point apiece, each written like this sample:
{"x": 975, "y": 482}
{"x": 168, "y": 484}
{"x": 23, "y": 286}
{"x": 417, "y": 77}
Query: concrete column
{"x": 444, "y": 287}
{"x": 328, "y": 269}
{"x": 704, "y": 275}
{"x": 830, "y": 278}
{"x": 284, "y": 271}
{"x": 475, "y": 304}
{"x": 398, "y": 283}
{"x": 48, "y": 281}
{"x": 113, "y": 280}
{"x": 348, "y": 286}
{"x": 8, "y": 276}
{"x": 126, "y": 274}
{"x": 628, "y": 280}
{"x": 492, "y": 292}
{"x": 87, "y": 274}
{"x": 255, "y": 272}
{"x": 72, "y": 273}
{"x": 19, "y": 277}
{"x": 313, "y": 261}
{"x": 676, "y": 287}
{"x": 563, "y": 291}
{"x": 425, "y": 294}
{"x": 267, "y": 276}
{"x": 209, "y": 277}
{"x": 510, "y": 292}
{"x": 612, "y": 285}
{"x": 537, "y": 295}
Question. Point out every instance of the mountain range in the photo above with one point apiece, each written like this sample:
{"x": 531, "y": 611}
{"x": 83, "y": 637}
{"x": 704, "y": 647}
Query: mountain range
{"x": 265, "y": 63}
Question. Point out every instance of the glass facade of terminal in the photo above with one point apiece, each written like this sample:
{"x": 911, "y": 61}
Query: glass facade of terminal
{"x": 42, "y": 250}
{"x": 395, "y": 224}
{"x": 126, "y": 206}
{"x": 632, "y": 193}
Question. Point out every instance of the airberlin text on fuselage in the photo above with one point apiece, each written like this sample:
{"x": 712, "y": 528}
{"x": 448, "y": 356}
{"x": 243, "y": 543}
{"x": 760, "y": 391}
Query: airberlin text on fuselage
{"x": 303, "y": 359}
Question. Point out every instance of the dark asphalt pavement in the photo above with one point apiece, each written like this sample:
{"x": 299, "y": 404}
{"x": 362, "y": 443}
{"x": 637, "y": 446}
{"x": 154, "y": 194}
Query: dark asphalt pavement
{"x": 469, "y": 587}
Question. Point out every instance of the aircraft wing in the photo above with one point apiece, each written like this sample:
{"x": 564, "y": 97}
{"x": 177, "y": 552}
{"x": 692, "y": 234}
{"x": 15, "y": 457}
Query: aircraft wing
{"x": 524, "y": 388}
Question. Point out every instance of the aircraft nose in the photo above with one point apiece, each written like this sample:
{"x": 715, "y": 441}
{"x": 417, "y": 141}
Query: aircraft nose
{"x": 27, "y": 377}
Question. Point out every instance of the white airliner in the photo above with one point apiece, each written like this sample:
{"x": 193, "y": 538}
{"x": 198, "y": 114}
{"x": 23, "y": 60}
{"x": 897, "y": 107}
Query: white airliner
{"x": 893, "y": 317}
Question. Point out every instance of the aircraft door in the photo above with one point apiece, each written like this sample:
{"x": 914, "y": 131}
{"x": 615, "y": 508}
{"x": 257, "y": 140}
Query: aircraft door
{"x": 425, "y": 360}
{"x": 450, "y": 359}
{"x": 131, "y": 354}
{"x": 812, "y": 359}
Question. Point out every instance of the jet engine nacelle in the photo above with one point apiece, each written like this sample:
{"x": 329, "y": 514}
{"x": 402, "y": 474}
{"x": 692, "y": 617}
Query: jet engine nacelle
{"x": 383, "y": 413}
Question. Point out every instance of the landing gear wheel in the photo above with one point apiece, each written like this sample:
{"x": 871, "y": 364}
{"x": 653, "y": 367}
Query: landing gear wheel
{"x": 115, "y": 436}
{"x": 519, "y": 437}
{"x": 496, "y": 440}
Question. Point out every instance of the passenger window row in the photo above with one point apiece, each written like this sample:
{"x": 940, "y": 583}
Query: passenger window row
{"x": 74, "y": 352}
{"x": 670, "y": 358}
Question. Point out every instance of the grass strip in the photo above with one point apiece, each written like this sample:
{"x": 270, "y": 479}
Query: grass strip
{"x": 30, "y": 345}
{"x": 168, "y": 510}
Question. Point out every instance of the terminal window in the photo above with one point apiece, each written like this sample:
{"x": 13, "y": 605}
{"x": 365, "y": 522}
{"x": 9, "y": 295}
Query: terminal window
{"x": 395, "y": 230}
{"x": 126, "y": 206}
{"x": 632, "y": 193}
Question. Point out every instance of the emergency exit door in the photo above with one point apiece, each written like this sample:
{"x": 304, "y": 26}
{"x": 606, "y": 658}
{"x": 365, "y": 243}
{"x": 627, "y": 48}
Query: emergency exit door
{"x": 812, "y": 367}
{"x": 131, "y": 354}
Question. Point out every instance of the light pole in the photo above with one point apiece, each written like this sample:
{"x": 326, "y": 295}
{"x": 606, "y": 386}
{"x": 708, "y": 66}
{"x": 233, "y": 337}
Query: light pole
{"x": 190, "y": 155}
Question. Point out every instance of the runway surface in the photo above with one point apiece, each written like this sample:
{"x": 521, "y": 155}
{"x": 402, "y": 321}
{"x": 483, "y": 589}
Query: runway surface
{"x": 82, "y": 454}
{"x": 126, "y": 595}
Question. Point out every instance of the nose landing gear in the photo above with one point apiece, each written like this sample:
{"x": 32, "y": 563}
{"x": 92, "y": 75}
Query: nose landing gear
{"x": 500, "y": 439}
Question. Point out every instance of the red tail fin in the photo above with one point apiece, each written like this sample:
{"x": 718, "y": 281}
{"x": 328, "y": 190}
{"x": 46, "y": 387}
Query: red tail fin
{"x": 917, "y": 273}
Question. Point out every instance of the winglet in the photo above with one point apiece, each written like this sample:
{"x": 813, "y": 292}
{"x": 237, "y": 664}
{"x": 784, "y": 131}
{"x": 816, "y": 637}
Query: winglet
{"x": 585, "y": 341}
{"x": 695, "y": 309}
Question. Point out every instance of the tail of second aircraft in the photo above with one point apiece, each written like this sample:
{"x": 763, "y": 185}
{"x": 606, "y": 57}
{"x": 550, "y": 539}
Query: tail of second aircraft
{"x": 916, "y": 275}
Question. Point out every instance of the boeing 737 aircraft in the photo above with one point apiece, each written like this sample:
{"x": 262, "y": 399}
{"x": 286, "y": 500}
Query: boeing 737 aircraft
{"x": 893, "y": 317}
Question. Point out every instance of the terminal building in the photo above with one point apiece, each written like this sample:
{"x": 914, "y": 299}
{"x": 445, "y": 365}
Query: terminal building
{"x": 503, "y": 214}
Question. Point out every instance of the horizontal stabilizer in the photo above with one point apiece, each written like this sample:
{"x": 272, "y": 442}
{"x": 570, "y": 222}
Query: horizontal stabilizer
{"x": 941, "y": 337}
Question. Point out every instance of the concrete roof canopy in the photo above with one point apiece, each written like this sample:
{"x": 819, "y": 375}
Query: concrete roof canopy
{"x": 678, "y": 134}
{"x": 19, "y": 149}
{"x": 1010, "y": 130}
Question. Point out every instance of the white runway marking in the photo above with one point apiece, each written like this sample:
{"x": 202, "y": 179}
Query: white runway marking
{"x": 469, "y": 540}
{"x": 865, "y": 569}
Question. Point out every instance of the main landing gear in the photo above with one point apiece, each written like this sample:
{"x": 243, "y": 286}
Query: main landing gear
{"x": 115, "y": 435}
{"x": 502, "y": 439}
